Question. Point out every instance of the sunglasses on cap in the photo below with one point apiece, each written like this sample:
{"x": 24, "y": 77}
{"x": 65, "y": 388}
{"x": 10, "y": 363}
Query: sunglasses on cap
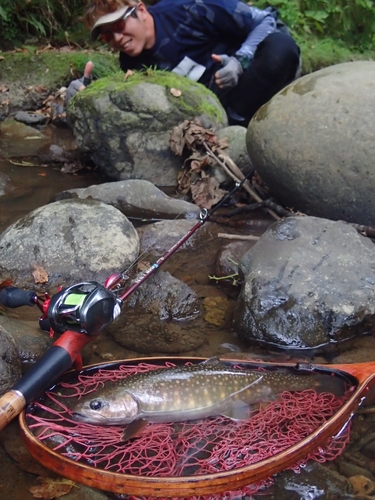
{"x": 118, "y": 26}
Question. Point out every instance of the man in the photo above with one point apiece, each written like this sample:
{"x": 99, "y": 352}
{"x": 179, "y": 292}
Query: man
{"x": 236, "y": 50}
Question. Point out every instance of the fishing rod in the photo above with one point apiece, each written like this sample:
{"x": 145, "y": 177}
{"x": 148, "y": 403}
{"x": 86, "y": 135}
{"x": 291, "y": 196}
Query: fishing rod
{"x": 79, "y": 313}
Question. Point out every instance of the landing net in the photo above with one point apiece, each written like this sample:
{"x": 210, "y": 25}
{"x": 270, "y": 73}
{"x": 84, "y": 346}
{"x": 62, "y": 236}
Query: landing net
{"x": 205, "y": 446}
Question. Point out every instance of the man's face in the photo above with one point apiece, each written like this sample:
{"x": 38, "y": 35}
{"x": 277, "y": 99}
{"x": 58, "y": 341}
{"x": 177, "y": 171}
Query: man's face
{"x": 129, "y": 35}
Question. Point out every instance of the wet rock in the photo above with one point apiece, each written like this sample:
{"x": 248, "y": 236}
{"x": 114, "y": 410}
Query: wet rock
{"x": 30, "y": 118}
{"x": 158, "y": 317}
{"x": 159, "y": 237}
{"x": 10, "y": 133}
{"x": 349, "y": 469}
{"x": 10, "y": 364}
{"x": 81, "y": 492}
{"x": 109, "y": 119}
{"x": 31, "y": 341}
{"x": 15, "y": 484}
{"x": 5, "y": 184}
{"x": 11, "y": 440}
{"x": 308, "y": 284}
{"x": 313, "y": 482}
{"x": 313, "y": 143}
{"x": 367, "y": 445}
{"x": 71, "y": 241}
{"x": 226, "y": 265}
{"x": 135, "y": 198}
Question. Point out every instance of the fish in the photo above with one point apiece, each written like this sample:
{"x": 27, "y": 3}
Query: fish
{"x": 185, "y": 393}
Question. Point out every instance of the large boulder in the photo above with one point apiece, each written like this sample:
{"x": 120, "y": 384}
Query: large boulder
{"x": 124, "y": 124}
{"x": 314, "y": 143}
{"x": 67, "y": 241}
{"x": 309, "y": 284}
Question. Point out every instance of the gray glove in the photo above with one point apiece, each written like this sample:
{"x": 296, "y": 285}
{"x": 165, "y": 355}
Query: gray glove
{"x": 230, "y": 72}
{"x": 74, "y": 87}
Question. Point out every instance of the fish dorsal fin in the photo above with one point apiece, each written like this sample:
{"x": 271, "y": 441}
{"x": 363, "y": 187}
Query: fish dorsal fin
{"x": 215, "y": 360}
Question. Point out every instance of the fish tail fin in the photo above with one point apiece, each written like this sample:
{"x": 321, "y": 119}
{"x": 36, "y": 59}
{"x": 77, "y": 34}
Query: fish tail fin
{"x": 329, "y": 383}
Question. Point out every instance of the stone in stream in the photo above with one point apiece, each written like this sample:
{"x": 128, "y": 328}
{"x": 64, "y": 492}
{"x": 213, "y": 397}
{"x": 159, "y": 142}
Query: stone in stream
{"x": 309, "y": 284}
{"x": 313, "y": 143}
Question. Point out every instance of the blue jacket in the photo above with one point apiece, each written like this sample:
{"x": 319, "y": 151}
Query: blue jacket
{"x": 189, "y": 31}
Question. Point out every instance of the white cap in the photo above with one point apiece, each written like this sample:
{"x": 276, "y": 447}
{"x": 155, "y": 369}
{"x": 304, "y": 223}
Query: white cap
{"x": 110, "y": 18}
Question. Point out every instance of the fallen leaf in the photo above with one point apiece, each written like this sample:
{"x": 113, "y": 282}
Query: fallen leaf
{"x": 2, "y": 58}
{"x": 206, "y": 192}
{"x": 42, "y": 175}
{"x": 4, "y": 88}
{"x": 176, "y": 92}
{"x": 39, "y": 274}
{"x": 51, "y": 488}
{"x": 6, "y": 283}
{"x": 23, "y": 163}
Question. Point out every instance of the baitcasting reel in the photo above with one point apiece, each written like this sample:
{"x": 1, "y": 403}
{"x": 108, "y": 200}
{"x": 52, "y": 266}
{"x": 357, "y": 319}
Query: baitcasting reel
{"x": 86, "y": 307}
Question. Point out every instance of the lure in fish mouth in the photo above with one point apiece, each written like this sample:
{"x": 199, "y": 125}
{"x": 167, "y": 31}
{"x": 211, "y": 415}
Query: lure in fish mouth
{"x": 184, "y": 393}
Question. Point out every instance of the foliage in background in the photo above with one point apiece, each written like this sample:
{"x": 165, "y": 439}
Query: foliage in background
{"x": 328, "y": 31}
{"x": 350, "y": 21}
{"x": 46, "y": 19}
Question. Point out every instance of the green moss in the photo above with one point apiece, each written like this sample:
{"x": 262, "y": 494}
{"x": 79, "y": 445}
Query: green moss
{"x": 52, "y": 68}
{"x": 192, "y": 100}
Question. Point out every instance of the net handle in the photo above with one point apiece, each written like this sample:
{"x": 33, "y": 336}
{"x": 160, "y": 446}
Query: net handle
{"x": 209, "y": 484}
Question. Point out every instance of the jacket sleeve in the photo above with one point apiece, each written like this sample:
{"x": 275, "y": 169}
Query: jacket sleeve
{"x": 266, "y": 25}
{"x": 238, "y": 20}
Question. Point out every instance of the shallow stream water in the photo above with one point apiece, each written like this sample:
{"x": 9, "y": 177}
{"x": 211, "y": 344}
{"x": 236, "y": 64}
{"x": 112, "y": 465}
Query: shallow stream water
{"x": 34, "y": 186}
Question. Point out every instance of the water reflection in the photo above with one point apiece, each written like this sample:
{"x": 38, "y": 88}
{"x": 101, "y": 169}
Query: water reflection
{"x": 33, "y": 183}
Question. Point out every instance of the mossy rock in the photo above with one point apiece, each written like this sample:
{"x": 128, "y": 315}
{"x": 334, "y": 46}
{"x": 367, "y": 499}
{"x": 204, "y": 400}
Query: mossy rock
{"x": 53, "y": 68}
{"x": 31, "y": 75}
{"x": 124, "y": 122}
{"x": 195, "y": 99}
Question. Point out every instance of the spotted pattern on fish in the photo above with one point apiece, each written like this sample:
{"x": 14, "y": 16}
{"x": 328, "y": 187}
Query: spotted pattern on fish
{"x": 186, "y": 393}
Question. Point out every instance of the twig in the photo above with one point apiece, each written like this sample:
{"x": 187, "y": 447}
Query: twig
{"x": 249, "y": 237}
{"x": 269, "y": 203}
{"x": 235, "y": 173}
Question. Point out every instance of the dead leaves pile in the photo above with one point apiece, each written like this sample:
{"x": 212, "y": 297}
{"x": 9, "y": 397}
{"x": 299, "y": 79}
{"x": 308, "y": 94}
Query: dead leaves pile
{"x": 197, "y": 177}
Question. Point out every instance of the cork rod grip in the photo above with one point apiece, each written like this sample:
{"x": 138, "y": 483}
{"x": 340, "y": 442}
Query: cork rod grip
{"x": 11, "y": 405}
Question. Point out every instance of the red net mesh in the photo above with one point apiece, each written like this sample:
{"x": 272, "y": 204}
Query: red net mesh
{"x": 206, "y": 446}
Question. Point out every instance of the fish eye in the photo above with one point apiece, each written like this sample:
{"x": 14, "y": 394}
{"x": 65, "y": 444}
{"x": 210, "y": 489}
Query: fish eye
{"x": 96, "y": 404}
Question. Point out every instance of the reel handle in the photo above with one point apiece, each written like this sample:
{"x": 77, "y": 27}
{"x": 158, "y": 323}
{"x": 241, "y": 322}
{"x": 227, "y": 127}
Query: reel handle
{"x": 11, "y": 296}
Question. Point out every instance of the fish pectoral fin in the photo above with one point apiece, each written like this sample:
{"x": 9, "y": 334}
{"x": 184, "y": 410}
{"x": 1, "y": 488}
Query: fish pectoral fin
{"x": 133, "y": 428}
{"x": 237, "y": 410}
